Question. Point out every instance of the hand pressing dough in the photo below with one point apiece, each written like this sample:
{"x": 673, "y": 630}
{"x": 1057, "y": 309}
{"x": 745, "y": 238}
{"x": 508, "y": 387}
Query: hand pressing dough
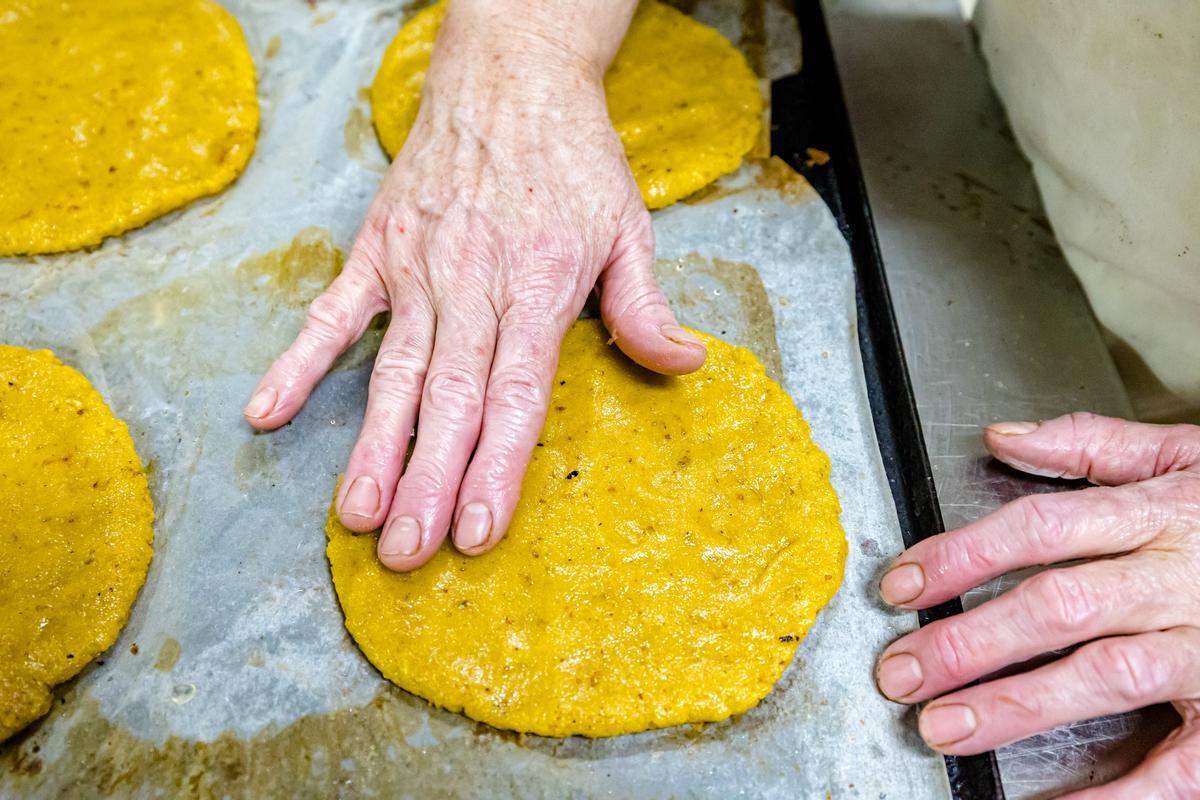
{"x": 681, "y": 97}
{"x": 114, "y": 113}
{"x": 674, "y": 542}
{"x": 77, "y": 533}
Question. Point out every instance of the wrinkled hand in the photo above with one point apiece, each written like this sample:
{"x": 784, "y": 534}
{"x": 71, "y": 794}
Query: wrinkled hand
{"x": 509, "y": 201}
{"x": 1136, "y": 605}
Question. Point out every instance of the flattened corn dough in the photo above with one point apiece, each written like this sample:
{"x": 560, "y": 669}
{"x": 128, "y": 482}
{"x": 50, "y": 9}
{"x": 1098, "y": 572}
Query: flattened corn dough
{"x": 114, "y": 113}
{"x": 76, "y": 539}
{"x": 682, "y": 98}
{"x": 674, "y": 542}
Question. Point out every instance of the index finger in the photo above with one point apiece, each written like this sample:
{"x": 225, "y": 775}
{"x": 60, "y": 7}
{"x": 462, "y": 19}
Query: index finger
{"x": 1033, "y": 531}
{"x": 335, "y": 320}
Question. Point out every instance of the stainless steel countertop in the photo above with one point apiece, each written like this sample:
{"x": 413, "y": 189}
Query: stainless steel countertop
{"x": 994, "y": 324}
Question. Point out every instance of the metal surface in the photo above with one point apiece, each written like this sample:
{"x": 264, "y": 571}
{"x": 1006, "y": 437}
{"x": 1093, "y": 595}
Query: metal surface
{"x": 994, "y": 324}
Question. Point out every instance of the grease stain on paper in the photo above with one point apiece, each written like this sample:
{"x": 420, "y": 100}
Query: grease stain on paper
{"x": 360, "y": 141}
{"x": 255, "y": 463}
{"x": 726, "y": 299}
{"x": 397, "y": 745}
{"x": 226, "y": 320}
{"x": 168, "y": 655}
{"x": 770, "y": 174}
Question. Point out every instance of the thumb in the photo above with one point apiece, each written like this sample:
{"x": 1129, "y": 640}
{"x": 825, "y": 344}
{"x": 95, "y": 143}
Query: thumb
{"x": 635, "y": 309}
{"x": 1102, "y": 449}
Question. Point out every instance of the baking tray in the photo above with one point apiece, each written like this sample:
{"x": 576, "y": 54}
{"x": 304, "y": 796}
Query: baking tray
{"x": 256, "y": 690}
{"x": 809, "y": 114}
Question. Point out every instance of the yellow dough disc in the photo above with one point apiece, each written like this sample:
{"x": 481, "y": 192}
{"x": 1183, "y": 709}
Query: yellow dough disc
{"x": 674, "y": 542}
{"x": 113, "y": 113}
{"x": 682, "y": 98}
{"x": 76, "y": 539}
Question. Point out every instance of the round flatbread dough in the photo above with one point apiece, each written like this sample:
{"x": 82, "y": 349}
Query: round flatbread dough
{"x": 674, "y": 542}
{"x": 77, "y": 532}
{"x": 682, "y": 98}
{"x": 114, "y": 113}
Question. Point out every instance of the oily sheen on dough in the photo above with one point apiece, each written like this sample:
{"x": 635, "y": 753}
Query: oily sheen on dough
{"x": 681, "y": 97}
{"x": 114, "y": 113}
{"x": 77, "y": 532}
{"x": 674, "y": 542}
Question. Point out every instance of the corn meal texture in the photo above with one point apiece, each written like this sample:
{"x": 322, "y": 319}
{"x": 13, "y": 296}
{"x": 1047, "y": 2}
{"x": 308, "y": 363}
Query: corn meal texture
{"x": 75, "y": 541}
{"x": 113, "y": 113}
{"x": 681, "y": 97}
{"x": 674, "y": 542}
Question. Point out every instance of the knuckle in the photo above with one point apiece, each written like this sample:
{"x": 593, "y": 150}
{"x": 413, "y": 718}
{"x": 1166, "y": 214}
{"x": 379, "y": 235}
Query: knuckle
{"x": 331, "y": 316}
{"x": 1026, "y": 705}
{"x": 649, "y": 296}
{"x": 456, "y": 389}
{"x": 380, "y": 451}
{"x": 956, "y": 554}
{"x": 495, "y": 482}
{"x": 1060, "y": 601}
{"x": 1129, "y": 670}
{"x": 398, "y": 373}
{"x": 1042, "y": 522}
{"x": 636, "y": 299}
{"x": 423, "y": 480}
{"x": 955, "y": 649}
{"x": 1085, "y": 427}
{"x": 518, "y": 389}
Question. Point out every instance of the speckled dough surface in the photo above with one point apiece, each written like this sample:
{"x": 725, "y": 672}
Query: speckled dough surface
{"x": 681, "y": 97}
{"x": 77, "y": 533}
{"x": 114, "y": 113}
{"x": 675, "y": 541}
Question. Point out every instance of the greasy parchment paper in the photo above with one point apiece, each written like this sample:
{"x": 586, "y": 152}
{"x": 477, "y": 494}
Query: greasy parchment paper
{"x": 234, "y": 676}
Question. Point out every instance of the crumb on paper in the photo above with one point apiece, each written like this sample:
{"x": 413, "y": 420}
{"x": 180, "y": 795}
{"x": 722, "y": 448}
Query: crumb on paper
{"x": 816, "y": 158}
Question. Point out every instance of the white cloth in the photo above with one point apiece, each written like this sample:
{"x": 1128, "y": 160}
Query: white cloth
{"x": 1104, "y": 98}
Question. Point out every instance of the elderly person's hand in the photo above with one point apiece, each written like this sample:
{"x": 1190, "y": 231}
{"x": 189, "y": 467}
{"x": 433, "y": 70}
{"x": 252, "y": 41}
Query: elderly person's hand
{"x": 510, "y": 200}
{"x": 1134, "y": 607}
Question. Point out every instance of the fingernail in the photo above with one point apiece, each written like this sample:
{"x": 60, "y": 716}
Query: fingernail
{"x": 899, "y": 675}
{"x": 902, "y": 584}
{"x": 944, "y": 725}
{"x": 402, "y": 537}
{"x": 474, "y": 526}
{"x": 362, "y": 499}
{"x": 261, "y": 403}
{"x": 679, "y": 335}
{"x": 1013, "y": 428}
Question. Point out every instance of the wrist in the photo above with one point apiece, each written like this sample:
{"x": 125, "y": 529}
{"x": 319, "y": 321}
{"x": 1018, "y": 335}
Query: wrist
{"x": 576, "y": 36}
{"x": 493, "y": 68}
